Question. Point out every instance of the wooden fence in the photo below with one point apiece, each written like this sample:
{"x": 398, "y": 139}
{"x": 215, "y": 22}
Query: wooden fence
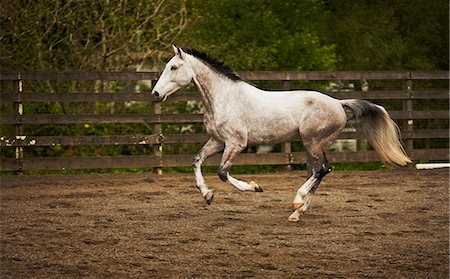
{"x": 20, "y": 97}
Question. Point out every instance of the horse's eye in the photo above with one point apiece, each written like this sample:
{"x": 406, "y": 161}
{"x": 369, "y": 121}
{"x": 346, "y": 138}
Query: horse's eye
{"x": 173, "y": 68}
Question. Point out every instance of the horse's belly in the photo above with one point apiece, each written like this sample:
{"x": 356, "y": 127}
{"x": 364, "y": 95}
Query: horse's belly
{"x": 273, "y": 136}
{"x": 264, "y": 130}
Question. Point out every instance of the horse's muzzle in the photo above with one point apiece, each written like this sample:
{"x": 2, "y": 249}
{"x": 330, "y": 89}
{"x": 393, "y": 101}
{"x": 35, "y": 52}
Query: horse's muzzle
{"x": 157, "y": 96}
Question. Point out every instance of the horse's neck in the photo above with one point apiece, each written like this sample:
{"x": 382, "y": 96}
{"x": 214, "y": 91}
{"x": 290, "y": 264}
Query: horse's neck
{"x": 211, "y": 86}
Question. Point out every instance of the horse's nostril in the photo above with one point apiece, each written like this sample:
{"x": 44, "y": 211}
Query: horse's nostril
{"x": 156, "y": 94}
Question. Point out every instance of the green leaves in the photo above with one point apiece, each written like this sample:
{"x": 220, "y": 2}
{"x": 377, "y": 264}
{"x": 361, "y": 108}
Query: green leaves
{"x": 261, "y": 35}
{"x": 388, "y": 35}
{"x": 87, "y": 35}
{"x": 247, "y": 34}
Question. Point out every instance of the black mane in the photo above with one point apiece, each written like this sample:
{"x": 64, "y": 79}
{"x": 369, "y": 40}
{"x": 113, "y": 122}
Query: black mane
{"x": 215, "y": 64}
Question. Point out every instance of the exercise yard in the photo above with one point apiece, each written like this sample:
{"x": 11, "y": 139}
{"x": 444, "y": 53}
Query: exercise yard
{"x": 377, "y": 224}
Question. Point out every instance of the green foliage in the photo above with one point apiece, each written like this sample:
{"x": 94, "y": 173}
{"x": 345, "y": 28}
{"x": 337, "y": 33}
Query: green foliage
{"x": 247, "y": 34}
{"x": 368, "y": 166}
{"x": 388, "y": 35}
{"x": 261, "y": 35}
{"x": 87, "y": 35}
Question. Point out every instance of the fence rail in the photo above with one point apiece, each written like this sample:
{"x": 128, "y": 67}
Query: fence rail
{"x": 20, "y": 141}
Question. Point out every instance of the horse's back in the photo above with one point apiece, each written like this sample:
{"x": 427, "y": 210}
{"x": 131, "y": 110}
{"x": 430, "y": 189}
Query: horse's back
{"x": 278, "y": 116}
{"x": 305, "y": 101}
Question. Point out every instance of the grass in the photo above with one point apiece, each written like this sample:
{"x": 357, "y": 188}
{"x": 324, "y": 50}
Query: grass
{"x": 251, "y": 169}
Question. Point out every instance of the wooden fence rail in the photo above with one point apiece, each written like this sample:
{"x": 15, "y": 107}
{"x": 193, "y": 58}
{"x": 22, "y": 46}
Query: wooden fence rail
{"x": 19, "y": 98}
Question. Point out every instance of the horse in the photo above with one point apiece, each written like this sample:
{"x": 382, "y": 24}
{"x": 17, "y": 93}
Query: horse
{"x": 238, "y": 114}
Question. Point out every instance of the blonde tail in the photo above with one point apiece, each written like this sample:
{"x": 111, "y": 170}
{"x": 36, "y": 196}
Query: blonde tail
{"x": 379, "y": 129}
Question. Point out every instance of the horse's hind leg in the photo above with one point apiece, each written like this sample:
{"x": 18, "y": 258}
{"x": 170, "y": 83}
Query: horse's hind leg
{"x": 211, "y": 147}
{"x": 318, "y": 167}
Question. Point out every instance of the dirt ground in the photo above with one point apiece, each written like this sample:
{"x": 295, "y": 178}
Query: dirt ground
{"x": 378, "y": 224}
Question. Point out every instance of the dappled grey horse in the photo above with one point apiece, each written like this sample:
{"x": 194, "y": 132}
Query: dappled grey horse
{"x": 239, "y": 114}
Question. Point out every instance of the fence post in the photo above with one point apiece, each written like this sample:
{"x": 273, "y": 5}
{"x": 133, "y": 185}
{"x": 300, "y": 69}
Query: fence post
{"x": 18, "y": 111}
{"x": 286, "y": 147}
{"x": 408, "y": 108}
{"x": 157, "y": 129}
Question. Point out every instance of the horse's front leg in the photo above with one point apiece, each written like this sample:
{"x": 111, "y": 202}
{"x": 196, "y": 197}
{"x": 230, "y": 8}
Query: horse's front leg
{"x": 211, "y": 147}
{"x": 230, "y": 153}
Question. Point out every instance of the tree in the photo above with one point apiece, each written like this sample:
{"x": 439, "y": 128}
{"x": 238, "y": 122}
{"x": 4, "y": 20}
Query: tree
{"x": 87, "y": 35}
{"x": 260, "y": 34}
{"x": 388, "y": 35}
{"x": 72, "y": 35}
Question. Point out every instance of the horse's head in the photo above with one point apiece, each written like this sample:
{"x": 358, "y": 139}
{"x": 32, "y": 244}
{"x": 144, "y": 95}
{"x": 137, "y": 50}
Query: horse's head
{"x": 176, "y": 74}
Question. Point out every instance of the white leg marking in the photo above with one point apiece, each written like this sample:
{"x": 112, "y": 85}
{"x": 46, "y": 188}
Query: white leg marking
{"x": 200, "y": 181}
{"x": 303, "y": 193}
{"x": 302, "y": 199}
{"x": 211, "y": 147}
{"x": 243, "y": 186}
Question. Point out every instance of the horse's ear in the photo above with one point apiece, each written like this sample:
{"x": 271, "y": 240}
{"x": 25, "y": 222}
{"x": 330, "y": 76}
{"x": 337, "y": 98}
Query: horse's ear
{"x": 178, "y": 51}
{"x": 175, "y": 49}
{"x": 181, "y": 53}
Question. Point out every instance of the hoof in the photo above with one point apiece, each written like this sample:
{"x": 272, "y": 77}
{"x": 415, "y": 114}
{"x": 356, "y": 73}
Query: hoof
{"x": 297, "y": 205}
{"x": 294, "y": 217}
{"x": 209, "y": 197}
{"x": 257, "y": 188}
